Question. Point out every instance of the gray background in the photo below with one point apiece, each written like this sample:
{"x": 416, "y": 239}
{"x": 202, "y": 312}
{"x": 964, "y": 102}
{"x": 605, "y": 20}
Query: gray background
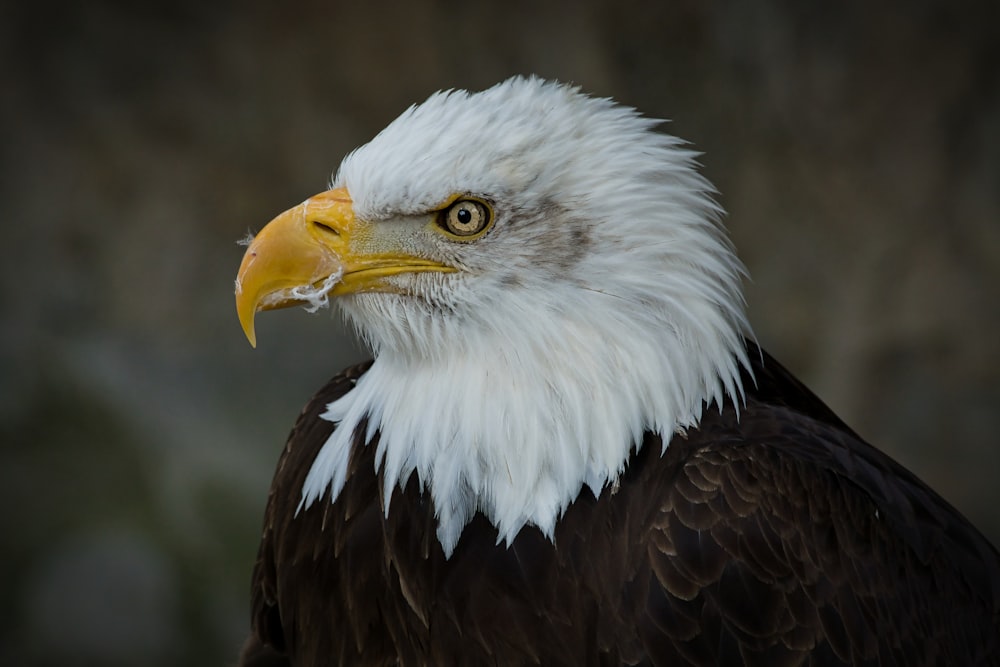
{"x": 856, "y": 146}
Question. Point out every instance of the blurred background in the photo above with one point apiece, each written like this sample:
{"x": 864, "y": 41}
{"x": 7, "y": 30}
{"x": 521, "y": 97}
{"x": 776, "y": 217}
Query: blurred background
{"x": 856, "y": 146}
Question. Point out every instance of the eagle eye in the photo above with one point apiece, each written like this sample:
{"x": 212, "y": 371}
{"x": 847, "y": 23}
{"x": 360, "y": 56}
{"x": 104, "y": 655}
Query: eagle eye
{"x": 466, "y": 217}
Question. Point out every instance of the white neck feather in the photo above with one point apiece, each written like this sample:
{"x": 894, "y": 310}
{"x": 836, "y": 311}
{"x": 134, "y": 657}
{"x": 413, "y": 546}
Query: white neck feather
{"x": 517, "y": 433}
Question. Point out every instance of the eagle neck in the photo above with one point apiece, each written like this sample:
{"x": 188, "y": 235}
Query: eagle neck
{"x": 517, "y": 433}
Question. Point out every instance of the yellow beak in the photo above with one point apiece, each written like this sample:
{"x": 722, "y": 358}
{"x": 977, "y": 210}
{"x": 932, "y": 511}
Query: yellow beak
{"x": 302, "y": 249}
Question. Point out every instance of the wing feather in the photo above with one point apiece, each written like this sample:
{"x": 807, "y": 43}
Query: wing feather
{"x": 782, "y": 533}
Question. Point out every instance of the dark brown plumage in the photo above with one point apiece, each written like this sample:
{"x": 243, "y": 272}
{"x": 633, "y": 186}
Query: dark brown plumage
{"x": 772, "y": 535}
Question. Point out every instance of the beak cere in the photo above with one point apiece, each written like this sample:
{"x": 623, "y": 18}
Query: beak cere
{"x": 320, "y": 248}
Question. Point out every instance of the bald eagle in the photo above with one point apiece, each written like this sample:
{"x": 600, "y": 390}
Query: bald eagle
{"x": 568, "y": 449}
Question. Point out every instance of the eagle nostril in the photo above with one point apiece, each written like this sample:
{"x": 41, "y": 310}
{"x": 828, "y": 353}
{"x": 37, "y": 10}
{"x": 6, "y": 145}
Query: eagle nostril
{"x": 325, "y": 228}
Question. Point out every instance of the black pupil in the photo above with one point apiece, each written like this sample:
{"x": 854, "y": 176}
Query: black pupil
{"x": 464, "y": 216}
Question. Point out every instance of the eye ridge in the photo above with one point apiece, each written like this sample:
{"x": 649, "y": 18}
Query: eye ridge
{"x": 466, "y": 217}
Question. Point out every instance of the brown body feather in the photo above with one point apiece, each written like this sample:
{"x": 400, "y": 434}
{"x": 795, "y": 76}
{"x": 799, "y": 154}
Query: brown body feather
{"x": 773, "y": 535}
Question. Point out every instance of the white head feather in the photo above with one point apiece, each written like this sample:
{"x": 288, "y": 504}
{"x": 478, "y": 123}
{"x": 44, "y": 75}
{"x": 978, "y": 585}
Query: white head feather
{"x": 604, "y": 302}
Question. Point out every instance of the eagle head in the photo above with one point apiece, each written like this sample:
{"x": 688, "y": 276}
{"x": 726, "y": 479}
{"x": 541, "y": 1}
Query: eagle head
{"x": 542, "y": 277}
